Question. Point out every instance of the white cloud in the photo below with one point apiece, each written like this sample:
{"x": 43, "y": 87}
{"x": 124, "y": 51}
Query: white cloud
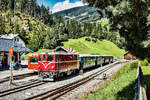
{"x": 66, "y": 5}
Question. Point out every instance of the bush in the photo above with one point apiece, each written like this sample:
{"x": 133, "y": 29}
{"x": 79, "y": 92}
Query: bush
{"x": 63, "y": 37}
{"x": 134, "y": 64}
{"x": 144, "y": 63}
{"x": 94, "y": 40}
{"x": 87, "y": 39}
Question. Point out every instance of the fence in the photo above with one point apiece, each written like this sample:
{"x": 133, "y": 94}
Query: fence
{"x": 140, "y": 87}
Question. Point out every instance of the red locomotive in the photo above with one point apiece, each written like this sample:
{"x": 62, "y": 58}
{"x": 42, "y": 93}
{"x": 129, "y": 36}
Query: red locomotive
{"x": 54, "y": 64}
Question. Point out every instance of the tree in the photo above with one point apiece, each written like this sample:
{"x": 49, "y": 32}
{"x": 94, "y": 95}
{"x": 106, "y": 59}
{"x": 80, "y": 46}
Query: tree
{"x": 74, "y": 28}
{"x": 130, "y": 17}
{"x": 11, "y": 4}
{"x": 3, "y": 5}
{"x": 2, "y": 25}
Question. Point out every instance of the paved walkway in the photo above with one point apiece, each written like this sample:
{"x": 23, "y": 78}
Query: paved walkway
{"x": 6, "y": 72}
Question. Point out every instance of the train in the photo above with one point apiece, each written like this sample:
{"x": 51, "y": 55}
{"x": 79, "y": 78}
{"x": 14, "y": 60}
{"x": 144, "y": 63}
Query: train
{"x": 51, "y": 65}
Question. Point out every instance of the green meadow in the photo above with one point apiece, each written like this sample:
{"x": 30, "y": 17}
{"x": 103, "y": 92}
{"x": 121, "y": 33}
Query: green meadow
{"x": 103, "y": 47}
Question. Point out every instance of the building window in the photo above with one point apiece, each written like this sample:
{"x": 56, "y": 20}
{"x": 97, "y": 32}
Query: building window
{"x": 17, "y": 39}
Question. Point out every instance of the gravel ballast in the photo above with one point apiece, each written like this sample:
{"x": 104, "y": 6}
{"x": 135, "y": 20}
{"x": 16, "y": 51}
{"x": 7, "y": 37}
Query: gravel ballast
{"x": 62, "y": 81}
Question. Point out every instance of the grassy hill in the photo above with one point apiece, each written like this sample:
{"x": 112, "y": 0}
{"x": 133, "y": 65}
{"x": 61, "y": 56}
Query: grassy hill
{"x": 82, "y": 46}
{"x": 100, "y": 47}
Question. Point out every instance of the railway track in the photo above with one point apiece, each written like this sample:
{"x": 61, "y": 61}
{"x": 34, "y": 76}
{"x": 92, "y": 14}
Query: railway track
{"x": 17, "y": 77}
{"x": 58, "y": 92}
{"x": 20, "y": 88}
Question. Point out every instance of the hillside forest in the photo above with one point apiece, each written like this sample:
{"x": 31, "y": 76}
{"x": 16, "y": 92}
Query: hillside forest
{"x": 132, "y": 20}
{"x": 40, "y": 30}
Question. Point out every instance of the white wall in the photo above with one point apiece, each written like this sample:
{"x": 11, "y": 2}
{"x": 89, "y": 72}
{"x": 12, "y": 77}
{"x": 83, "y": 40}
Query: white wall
{"x": 19, "y": 40}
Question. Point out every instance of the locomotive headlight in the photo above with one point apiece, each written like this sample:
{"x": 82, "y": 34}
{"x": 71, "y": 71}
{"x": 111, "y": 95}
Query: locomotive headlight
{"x": 52, "y": 67}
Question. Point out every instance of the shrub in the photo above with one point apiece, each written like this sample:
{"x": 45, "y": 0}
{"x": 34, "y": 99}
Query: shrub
{"x": 144, "y": 63}
{"x": 94, "y": 40}
{"x": 87, "y": 39}
{"x": 63, "y": 37}
{"x": 134, "y": 64}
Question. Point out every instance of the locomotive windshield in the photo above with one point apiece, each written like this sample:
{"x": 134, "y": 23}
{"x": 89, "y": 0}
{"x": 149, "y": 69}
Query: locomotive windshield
{"x": 33, "y": 60}
{"x": 50, "y": 58}
{"x": 41, "y": 57}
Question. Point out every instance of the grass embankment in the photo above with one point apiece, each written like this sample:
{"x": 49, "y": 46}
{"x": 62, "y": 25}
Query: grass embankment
{"x": 120, "y": 88}
{"x": 82, "y": 46}
{"x": 146, "y": 73}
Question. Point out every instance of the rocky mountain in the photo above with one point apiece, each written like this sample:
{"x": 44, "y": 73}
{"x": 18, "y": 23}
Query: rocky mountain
{"x": 82, "y": 13}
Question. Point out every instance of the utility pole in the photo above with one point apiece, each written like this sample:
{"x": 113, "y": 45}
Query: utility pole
{"x": 11, "y": 52}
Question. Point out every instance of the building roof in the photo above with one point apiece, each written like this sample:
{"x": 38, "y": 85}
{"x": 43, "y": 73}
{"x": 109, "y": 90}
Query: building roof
{"x": 5, "y": 44}
{"x": 9, "y": 36}
{"x": 65, "y": 49}
{"x": 127, "y": 53}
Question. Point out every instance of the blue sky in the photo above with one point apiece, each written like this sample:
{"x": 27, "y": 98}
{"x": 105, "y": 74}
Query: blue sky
{"x": 51, "y": 3}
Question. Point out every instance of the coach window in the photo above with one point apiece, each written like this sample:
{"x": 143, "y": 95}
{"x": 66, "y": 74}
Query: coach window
{"x": 75, "y": 57}
{"x": 57, "y": 58}
{"x": 50, "y": 58}
{"x": 70, "y": 57}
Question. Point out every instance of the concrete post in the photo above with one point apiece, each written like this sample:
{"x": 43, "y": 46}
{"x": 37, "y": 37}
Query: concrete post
{"x": 11, "y": 69}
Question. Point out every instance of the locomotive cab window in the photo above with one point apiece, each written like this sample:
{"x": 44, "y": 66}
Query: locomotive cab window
{"x": 34, "y": 60}
{"x": 50, "y": 58}
{"x": 44, "y": 57}
{"x": 40, "y": 58}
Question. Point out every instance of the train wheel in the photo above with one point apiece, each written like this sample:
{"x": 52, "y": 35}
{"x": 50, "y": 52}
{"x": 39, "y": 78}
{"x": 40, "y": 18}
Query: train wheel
{"x": 54, "y": 78}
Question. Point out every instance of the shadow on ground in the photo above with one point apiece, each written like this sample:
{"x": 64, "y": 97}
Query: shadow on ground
{"x": 128, "y": 92}
{"x": 147, "y": 81}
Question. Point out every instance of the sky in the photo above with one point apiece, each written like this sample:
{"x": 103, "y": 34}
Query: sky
{"x": 58, "y": 5}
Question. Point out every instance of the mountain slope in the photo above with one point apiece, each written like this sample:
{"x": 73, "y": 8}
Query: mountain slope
{"x": 83, "y": 13}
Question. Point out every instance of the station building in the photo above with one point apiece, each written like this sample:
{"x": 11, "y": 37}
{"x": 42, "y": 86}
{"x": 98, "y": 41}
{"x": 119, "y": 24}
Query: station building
{"x": 14, "y": 41}
{"x": 129, "y": 56}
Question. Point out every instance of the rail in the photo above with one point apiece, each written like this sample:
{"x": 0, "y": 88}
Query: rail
{"x": 20, "y": 88}
{"x": 60, "y": 91}
{"x": 140, "y": 87}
